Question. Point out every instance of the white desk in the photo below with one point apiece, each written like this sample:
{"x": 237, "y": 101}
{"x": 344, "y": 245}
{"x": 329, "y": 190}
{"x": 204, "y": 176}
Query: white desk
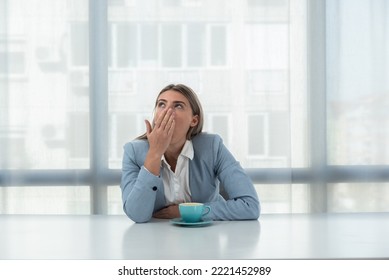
{"x": 295, "y": 236}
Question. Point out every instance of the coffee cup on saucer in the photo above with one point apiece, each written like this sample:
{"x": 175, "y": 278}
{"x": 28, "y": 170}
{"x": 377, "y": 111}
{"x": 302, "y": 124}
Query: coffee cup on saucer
{"x": 193, "y": 212}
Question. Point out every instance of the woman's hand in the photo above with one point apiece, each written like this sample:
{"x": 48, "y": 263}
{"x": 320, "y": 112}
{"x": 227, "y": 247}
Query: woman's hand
{"x": 169, "y": 212}
{"x": 159, "y": 138}
{"x": 161, "y": 134}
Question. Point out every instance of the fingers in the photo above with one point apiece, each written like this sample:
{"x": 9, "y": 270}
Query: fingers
{"x": 161, "y": 214}
{"x": 160, "y": 135}
{"x": 171, "y": 128}
{"x": 165, "y": 119}
{"x": 164, "y": 122}
{"x": 167, "y": 212}
{"x": 148, "y": 127}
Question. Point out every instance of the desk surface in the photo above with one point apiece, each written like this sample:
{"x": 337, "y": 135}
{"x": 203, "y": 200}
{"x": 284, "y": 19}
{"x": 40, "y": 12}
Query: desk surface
{"x": 277, "y": 236}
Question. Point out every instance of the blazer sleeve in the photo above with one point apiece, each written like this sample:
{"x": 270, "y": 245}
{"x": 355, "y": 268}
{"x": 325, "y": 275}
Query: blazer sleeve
{"x": 139, "y": 186}
{"x": 242, "y": 202}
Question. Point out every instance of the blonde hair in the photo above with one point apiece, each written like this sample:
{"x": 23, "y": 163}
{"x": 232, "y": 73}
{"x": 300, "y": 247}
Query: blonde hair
{"x": 194, "y": 103}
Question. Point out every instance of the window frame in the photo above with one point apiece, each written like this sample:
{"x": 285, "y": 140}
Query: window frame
{"x": 99, "y": 176}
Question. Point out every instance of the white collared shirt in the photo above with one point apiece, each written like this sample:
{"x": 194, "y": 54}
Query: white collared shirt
{"x": 176, "y": 184}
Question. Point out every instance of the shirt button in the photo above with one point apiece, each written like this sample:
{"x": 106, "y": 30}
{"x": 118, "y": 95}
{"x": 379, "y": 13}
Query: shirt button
{"x": 155, "y": 188}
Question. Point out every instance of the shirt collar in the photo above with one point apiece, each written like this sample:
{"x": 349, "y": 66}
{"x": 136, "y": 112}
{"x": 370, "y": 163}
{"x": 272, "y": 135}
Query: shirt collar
{"x": 187, "y": 151}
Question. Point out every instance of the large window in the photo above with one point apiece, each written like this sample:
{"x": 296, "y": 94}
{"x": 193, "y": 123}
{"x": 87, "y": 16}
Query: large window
{"x": 298, "y": 90}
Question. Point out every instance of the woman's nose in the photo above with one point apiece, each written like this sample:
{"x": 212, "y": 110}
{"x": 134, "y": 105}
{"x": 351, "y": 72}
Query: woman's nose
{"x": 170, "y": 106}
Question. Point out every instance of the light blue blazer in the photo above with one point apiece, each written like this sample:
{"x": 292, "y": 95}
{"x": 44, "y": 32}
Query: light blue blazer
{"x": 215, "y": 179}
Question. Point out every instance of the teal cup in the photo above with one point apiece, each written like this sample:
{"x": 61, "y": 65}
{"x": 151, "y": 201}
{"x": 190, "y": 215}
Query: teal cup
{"x": 193, "y": 212}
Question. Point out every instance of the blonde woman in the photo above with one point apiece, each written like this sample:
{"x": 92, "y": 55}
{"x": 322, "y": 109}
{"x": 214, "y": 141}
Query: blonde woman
{"x": 174, "y": 162}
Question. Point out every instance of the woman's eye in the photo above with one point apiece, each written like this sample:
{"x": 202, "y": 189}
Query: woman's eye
{"x": 179, "y": 106}
{"x": 161, "y": 105}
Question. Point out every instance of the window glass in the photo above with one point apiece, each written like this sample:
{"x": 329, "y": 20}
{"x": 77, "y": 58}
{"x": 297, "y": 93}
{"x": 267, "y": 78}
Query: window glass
{"x": 171, "y": 45}
{"x": 222, "y": 49}
{"x": 247, "y": 60}
{"x": 268, "y": 82}
{"x": 115, "y": 204}
{"x": 361, "y": 197}
{"x": 358, "y": 95}
{"x": 78, "y": 135}
{"x": 279, "y": 134}
{"x": 44, "y": 85}
{"x": 79, "y": 43}
{"x": 126, "y": 125}
{"x": 149, "y": 41}
{"x": 127, "y": 45}
{"x": 69, "y": 200}
{"x": 270, "y": 39}
{"x": 283, "y": 198}
{"x": 196, "y": 45}
{"x": 16, "y": 63}
{"x": 220, "y": 126}
{"x": 257, "y": 134}
{"x": 218, "y": 45}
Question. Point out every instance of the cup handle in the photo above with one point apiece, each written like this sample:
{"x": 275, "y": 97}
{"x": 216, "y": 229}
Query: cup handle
{"x": 207, "y": 208}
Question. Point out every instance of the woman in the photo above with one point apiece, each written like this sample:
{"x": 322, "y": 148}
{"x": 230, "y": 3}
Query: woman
{"x": 175, "y": 162}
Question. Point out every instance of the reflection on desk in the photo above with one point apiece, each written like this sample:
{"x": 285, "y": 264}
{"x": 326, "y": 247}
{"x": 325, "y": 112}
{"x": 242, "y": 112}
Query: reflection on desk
{"x": 277, "y": 236}
{"x": 220, "y": 240}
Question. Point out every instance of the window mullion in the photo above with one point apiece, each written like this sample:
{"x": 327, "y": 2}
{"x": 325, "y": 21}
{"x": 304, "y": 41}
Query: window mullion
{"x": 98, "y": 100}
{"x": 317, "y": 103}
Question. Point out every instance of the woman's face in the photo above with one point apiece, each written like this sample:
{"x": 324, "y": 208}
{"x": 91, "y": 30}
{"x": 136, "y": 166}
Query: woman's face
{"x": 183, "y": 114}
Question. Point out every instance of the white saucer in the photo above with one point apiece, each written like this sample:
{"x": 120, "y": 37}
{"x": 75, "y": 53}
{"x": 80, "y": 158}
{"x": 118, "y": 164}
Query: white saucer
{"x": 181, "y": 222}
